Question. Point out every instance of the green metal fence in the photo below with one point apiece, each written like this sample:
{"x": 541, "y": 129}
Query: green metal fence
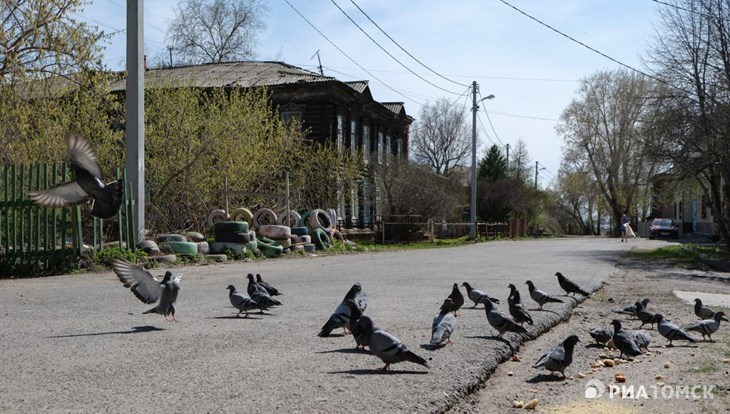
{"x": 35, "y": 240}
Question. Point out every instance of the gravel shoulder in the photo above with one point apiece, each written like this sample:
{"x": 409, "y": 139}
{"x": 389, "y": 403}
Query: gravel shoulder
{"x": 662, "y": 374}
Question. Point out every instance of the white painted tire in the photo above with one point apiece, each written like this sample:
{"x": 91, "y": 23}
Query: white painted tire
{"x": 275, "y": 231}
{"x": 263, "y": 216}
{"x": 216, "y": 216}
{"x": 293, "y": 216}
{"x": 319, "y": 219}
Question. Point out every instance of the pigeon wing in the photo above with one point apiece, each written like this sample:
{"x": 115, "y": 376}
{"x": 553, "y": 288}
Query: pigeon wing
{"x": 141, "y": 282}
{"x": 82, "y": 154}
{"x": 62, "y": 195}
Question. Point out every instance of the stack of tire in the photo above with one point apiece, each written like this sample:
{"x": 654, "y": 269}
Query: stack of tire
{"x": 271, "y": 238}
{"x": 231, "y": 235}
{"x": 319, "y": 224}
{"x": 178, "y": 245}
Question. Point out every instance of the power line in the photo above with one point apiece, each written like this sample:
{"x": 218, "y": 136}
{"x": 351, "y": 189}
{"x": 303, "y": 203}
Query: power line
{"x": 490, "y": 120}
{"x": 403, "y": 49}
{"x": 343, "y": 52}
{"x": 537, "y": 118}
{"x": 402, "y": 92}
{"x": 388, "y": 53}
{"x": 682, "y": 8}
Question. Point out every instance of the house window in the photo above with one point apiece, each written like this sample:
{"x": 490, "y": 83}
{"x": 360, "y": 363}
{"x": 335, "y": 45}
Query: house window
{"x": 366, "y": 201}
{"x": 340, "y": 132}
{"x": 387, "y": 149}
{"x": 380, "y": 147}
{"x": 399, "y": 147}
{"x": 354, "y": 204}
{"x": 291, "y": 112}
{"x": 353, "y": 137}
{"x": 366, "y": 143}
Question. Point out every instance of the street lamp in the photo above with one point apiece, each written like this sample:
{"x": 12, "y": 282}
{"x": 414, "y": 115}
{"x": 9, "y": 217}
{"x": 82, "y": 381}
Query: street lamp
{"x": 473, "y": 208}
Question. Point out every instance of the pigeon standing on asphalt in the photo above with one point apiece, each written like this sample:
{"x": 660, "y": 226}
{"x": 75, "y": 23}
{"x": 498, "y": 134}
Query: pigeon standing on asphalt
{"x": 644, "y": 315}
{"x": 476, "y": 295}
{"x": 516, "y": 309}
{"x": 558, "y": 357}
{"x": 601, "y": 334}
{"x": 240, "y": 301}
{"x": 703, "y": 312}
{"x": 623, "y": 341}
{"x": 569, "y": 286}
{"x": 148, "y": 289}
{"x": 443, "y": 324}
{"x": 671, "y": 331}
{"x": 259, "y": 294}
{"x": 501, "y": 322}
{"x": 87, "y": 185}
{"x": 707, "y": 326}
{"x": 539, "y": 296}
{"x": 341, "y": 316}
{"x": 272, "y": 290}
{"x": 355, "y": 315}
{"x": 457, "y": 298}
{"x": 386, "y": 346}
{"x": 632, "y": 309}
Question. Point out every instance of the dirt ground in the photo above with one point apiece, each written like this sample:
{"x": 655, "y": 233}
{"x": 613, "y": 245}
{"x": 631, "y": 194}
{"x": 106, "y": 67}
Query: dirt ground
{"x": 661, "y": 381}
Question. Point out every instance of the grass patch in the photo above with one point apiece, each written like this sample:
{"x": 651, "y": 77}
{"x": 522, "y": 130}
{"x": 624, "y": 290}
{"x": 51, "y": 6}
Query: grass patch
{"x": 668, "y": 252}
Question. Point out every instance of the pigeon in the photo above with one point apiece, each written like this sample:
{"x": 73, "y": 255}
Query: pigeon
{"x": 641, "y": 337}
{"x": 602, "y": 334}
{"x": 703, "y": 311}
{"x": 355, "y": 315}
{"x": 272, "y": 290}
{"x": 539, "y": 296}
{"x": 559, "y": 356}
{"x": 240, "y": 301}
{"x": 87, "y": 184}
{"x": 148, "y": 289}
{"x": 457, "y": 298}
{"x": 516, "y": 309}
{"x": 501, "y": 322}
{"x": 386, "y": 346}
{"x": 671, "y": 331}
{"x": 632, "y": 310}
{"x": 623, "y": 341}
{"x": 341, "y": 316}
{"x": 644, "y": 315}
{"x": 259, "y": 294}
{"x": 707, "y": 326}
{"x": 443, "y": 324}
{"x": 476, "y": 295}
{"x": 569, "y": 286}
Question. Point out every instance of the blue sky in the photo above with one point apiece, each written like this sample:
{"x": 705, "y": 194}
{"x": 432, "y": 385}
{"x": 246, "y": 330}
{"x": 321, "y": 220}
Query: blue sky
{"x": 532, "y": 71}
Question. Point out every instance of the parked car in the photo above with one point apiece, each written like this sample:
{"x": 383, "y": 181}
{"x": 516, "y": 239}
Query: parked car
{"x": 663, "y": 227}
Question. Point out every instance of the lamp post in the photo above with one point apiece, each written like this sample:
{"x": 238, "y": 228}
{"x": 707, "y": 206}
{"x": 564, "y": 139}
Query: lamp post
{"x": 473, "y": 207}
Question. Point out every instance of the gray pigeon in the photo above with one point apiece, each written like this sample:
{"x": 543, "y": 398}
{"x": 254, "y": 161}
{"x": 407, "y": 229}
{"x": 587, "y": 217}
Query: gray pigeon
{"x": 240, "y": 301}
{"x": 386, "y": 346}
{"x": 623, "y": 341}
{"x": 704, "y": 312}
{"x": 443, "y": 324}
{"x": 341, "y": 316}
{"x": 644, "y": 315}
{"x": 272, "y": 290}
{"x": 559, "y": 356}
{"x": 641, "y": 337}
{"x": 632, "y": 310}
{"x": 260, "y": 295}
{"x": 148, "y": 289}
{"x": 501, "y": 322}
{"x": 539, "y": 296}
{"x": 355, "y": 315}
{"x": 707, "y": 326}
{"x": 476, "y": 295}
{"x": 516, "y": 309}
{"x": 87, "y": 184}
{"x": 601, "y": 334}
{"x": 457, "y": 298}
{"x": 671, "y": 331}
{"x": 569, "y": 286}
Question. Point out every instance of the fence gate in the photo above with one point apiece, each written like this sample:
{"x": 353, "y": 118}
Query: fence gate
{"x": 35, "y": 240}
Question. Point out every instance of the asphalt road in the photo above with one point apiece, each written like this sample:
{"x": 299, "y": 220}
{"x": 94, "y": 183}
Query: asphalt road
{"x": 79, "y": 343}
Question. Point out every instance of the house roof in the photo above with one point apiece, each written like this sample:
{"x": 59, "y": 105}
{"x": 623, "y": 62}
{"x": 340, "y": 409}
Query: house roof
{"x": 359, "y": 86}
{"x": 395, "y": 107}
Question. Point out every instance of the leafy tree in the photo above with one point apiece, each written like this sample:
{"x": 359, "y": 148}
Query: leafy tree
{"x": 493, "y": 166}
{"x": 440, "y": 139}
{"x": 216, "y": 31}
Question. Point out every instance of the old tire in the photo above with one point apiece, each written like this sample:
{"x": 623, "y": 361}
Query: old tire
{"x": 180, "y": 247}
{"x": 194, "y": 236}
{"x": 319, "y": 219}
{"x": 231, "y": 232}
{"x": 263, "y": 216}
{"x": 242, "y": 214}
{"x": 221, "y": 247}
{"x": 216, "y": 216}
{"x": 292, "y": 219}
{"x": 275, "y": 231}
{"x": 309, "y": 248}
{"x": 268, "y": 248}
{"x": 299, "y": 231}
{"x": 306, "y": 239}
{"x": 170, "y": 238}
{"x": 321, "y": 239}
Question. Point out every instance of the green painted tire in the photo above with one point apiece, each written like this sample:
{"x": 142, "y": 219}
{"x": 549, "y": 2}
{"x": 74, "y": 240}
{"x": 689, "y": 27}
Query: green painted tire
{"x": 180, "y": 247}
{"x": 300, "y": 231}
{"x": 321, "y": 239}
{"x": 309, "y": 248}
{"x": 268, "y": 248}
{"x": 230, "y": 226}
{"x": 252, "y": 245}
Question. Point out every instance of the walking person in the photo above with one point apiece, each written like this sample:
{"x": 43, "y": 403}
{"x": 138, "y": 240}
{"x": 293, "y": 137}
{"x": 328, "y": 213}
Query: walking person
{"x": 624, "y": 223}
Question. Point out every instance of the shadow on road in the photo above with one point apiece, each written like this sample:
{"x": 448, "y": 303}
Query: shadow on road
{"x": 346, "y": 351}
{"x": 545, "y": 378}
{"x": 240, "y": 317}
{"x": 377, "y": 371}
{"x": 136, "y": 329}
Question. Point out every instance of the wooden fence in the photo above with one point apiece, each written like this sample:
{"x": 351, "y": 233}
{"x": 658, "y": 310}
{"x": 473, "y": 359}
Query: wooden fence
{"x": 35, "y": 240}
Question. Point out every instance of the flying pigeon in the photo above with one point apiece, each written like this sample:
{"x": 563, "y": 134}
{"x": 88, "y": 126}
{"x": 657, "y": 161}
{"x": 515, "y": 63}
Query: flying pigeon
{"x": 386, "y": 346}
{"x": 443, "y": 324}
{"x": 476, "y": 295}
{"x": 272, "y": 290}
{"x": 148, "y": 289}
{"x": 501, "y": 322}
{"x": 623, "y": 341}
{"x": 539, "y": 296}
{"x": 457, "y": 298}
{"x": 240, "y": 301}
{"x": 341, "y": 316}
{"x": 602, "y": 334}
{"x": 558, "y": 357}
{"x": 707, "y": 326}
{"x": 703, "y": 311}
{"x": 671, "y": 331}
{"x": 516, "y": 309}
{"x": 87, "y": 184}
{"x": 569, "y": 286}
{"x": 632, "y": 310}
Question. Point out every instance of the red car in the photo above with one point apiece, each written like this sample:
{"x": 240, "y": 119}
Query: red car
{"x": 663, "y": 227}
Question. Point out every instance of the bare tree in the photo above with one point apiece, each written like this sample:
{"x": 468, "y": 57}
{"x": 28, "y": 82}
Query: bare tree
{"x": 520, "y": 164}
{"x": 440, "y": 139}
{"x": 215, "y": 31}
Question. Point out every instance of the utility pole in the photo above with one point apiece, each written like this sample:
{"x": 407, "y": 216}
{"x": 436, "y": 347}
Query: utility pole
{"x": 507, "y": 145}
{"x": 473, "y": 207}
{"x": 135, "y": 111}
{"x": 321, "y": 72}
{"x": 169, "y": 48}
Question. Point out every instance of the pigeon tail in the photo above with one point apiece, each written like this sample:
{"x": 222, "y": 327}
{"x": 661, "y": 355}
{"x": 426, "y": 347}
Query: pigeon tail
{"x": 107, "y": 201}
